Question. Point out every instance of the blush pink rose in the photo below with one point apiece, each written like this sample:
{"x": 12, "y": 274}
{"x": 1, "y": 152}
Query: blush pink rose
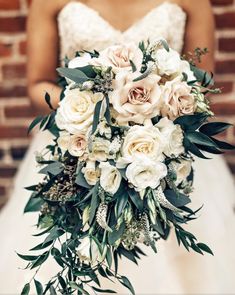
{"x": 135, "y": 101}
{"x": 118, "y": 57}
{"x": 177, "y": 99}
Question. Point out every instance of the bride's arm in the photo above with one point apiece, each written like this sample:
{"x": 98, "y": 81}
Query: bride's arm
{"x": 43, "y": 53}
{"x": 200, "y": 30}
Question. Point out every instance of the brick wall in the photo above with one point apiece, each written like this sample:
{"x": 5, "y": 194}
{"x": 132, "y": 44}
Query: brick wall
{"x": 15, "y": 112}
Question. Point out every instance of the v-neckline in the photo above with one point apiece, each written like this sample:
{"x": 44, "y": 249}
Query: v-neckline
{"x": 104, "y": 20}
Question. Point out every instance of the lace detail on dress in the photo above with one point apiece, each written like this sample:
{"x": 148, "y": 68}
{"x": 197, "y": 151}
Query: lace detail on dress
{"x": 82, "y": 28}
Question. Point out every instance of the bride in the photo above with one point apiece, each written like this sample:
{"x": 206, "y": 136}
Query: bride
{"x": 63, "y": 27}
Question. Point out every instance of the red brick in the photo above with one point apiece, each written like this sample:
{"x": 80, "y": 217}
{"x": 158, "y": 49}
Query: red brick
{"x": 225, "y": 20}
{"x": 19, "y": 112}
{"x": 221, "y": 2}
{"x": 5, "y": 50}
{"x": 12, "y": 24}
{"x": 224, "y": 108}
{"x": 225, "y": 67}
{"x": 23, "y": 47}
{"x": 9, "y": 4}
{"x": 13, "y": 91}
{"x": 12, "y": 71}
{"x": 18, "y": 153}
{"x": 29, "y": 2}
{"x": 227, "y": 44}
{"x": 7, "y": 171}
{"x": 225, "y": 86}
{"x": 8, "y": 132}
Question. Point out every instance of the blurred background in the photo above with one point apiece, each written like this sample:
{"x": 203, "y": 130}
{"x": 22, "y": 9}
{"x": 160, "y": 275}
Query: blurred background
{"x": 15, "y": 110}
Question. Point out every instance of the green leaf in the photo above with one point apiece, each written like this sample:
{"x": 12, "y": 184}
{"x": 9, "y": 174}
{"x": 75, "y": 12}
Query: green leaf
{"x": 121, "y": 204}
{"x": 54, "y": 168}
{"x": 133, "y": 66}
{"x": 135, "y": 197}
{"x": 205, "y": 248}
{"x": 125, "y": 282}
{"x": 191, "y": 147}
{"x": 38, "y": 287}
{"x": 33, "y": 205}
{"x": 48, "y": 100}
{"x": 109, "y": 257}
{"x": 178, "y": 200}
{"x": 88, "y": 71}
{"x": 116, "y": 234}
{"x": 223, "y": 145}
{"x": 94, "y": 204}
{"x": 41, "y": 259}
{"x": 214, "y": 128}
{"x": 96, "y": 117}
{"x": 80, "y": 179}
{"x": 108, "y": 291}
{"x": 165, "y": 45}
{"x": 62, "y": 283}
{"x": 191, "y": 122}
{"x": 54, "y": 234}
{"x": 28, "y": 257}
{"x": 25, "y": 290}
{"x": 143, "y": 76}
{"x": 73, "y": 74}
{"x": 52, "y": 291}
{"x": 34, "y": 123}
{"x": 200, "y": 138}
{"x": 41, "y": 246}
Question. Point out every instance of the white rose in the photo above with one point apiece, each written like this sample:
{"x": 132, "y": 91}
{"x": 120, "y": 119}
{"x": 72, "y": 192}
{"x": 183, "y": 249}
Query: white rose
{"x": 100, "y": 149}
{"x": 110, "y": 177}
{"x": 182, "y": 169}
{"x": 178, "y": 99}
{"x": 144, "y": 172}
{"x": 135, "y": 101}
{"x": 63, "y": 141}
{"x": 76, "y": 110}
{"x": 91, "y": 173}
{"x": 141, "y": 140}
{"x": 118, "y": 57}
{"x": 77, "y": 145}
{"x": 169, "y": 63}
{"x": 80, "y": 61}
{"x": 173, "y": 136}
{"x": 88, "y": 251}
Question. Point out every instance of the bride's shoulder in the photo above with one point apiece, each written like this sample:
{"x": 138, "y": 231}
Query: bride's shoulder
{"x": 193, "y": 6}
{"x": 50, "y": 8}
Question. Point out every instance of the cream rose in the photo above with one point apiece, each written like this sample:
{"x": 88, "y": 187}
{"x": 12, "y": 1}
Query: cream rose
{"x": 100, "y": 149}
{"x": 76, "y": 110}
{"x": 173, "y": 136}
{"x": 182, "y": 169}
{"x": 141, "y": 140}
{"x": 178, "y": 99}
{"x": 88, "y": 251}
{"x": 80, "y": 61}
{"x": 77, "y": 145}
{"x": 63, "y": 141}
{"x": 110, "y": 177}
{"x": 144, "y": 172}
{"x": 118, "y": 57}
{"x": 91, "y": 173}
{"x": 135, "y": 101}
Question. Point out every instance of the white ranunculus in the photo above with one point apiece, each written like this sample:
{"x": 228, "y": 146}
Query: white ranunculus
{"x": 100, "y": 149}
{"x": 77, "y": 145}
{"x": 76, "y": 110}
{"x": 173, "y": 136}
{"x": 141, "y": 140}
{"x": 63, "y": 141}
{"x": 110, "y": 177}
{"x": 182, "y": 169}
{"x": 178, "y": 99}
{"x": 88, "y": 251}
{"x": 135, "y": 101}
{"x": 144, "y": 172}
{"x": 91, "y": 173}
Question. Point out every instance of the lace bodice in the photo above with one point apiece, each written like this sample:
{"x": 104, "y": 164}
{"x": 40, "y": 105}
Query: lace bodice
{"x": 82, "y": 28}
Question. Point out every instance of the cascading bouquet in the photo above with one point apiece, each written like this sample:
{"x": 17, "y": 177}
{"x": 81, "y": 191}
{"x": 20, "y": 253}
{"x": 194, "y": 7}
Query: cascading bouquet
{"x": 119, "y": 172}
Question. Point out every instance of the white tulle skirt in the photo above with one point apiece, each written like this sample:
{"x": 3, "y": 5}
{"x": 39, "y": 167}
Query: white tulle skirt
{"x": 172, "y": 271}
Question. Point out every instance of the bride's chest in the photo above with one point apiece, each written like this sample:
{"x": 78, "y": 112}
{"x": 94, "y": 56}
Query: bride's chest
{"x": 82, "y": 28}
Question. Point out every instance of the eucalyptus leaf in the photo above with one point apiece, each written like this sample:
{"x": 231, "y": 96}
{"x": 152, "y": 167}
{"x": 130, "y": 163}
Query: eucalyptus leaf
{"x": 34, "y": 123}
{"x": 214, "y": 128}
{"x": 33, "y": 205}
{"x": 125, "y": 282}
{"x": 25, "y": 290}
{"x": 73, "y": 74}
{"x": 205, "y": 248}
{"x": 39, "y": 287}
{"x": 135, "y": 197}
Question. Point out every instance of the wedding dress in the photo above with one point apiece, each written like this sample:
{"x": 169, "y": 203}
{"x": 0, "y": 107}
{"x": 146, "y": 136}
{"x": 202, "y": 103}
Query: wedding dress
{"x": 172, "y": 270}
